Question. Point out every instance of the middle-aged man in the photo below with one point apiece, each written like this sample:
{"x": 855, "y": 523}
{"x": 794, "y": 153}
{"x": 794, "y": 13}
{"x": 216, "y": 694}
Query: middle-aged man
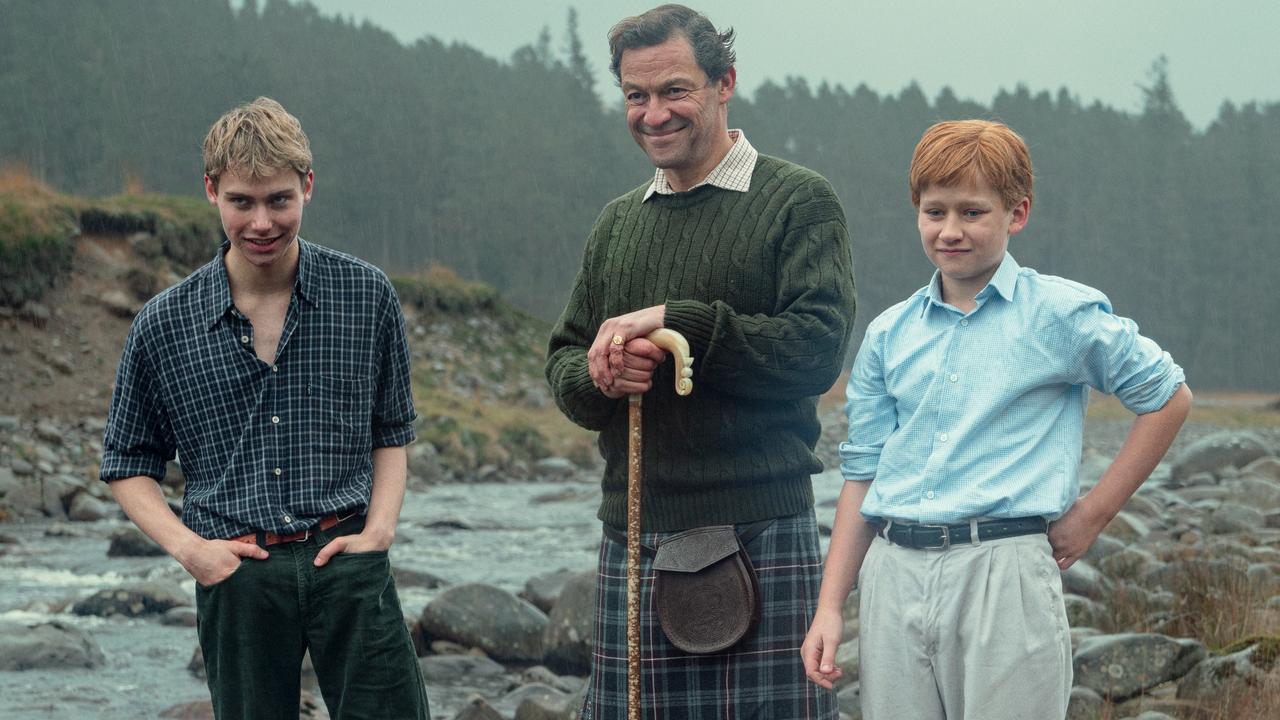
{"x": 748, "y": 257}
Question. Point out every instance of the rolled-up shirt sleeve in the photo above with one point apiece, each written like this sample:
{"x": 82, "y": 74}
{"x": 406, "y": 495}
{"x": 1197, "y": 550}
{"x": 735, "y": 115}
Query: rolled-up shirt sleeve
{"x": 393, "y": 412}
{"x": 871, "y": 412}
{"x": 1116, "y": 359}
{"x": 139, "y": 439}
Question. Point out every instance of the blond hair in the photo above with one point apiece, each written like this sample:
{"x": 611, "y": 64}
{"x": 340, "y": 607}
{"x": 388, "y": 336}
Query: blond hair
{"x": 972, "y": 152}
{"x": 256, "y": 140}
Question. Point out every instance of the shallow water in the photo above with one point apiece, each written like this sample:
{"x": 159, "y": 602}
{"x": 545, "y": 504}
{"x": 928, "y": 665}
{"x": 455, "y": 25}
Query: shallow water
{"x": 502, "y": 534}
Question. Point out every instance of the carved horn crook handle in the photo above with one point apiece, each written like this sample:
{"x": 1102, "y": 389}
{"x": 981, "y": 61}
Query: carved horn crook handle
{"x": 674, "y": 343}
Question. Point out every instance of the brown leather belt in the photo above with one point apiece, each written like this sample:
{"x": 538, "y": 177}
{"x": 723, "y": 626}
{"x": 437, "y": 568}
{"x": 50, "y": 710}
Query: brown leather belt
{"x": 270, "y": 538}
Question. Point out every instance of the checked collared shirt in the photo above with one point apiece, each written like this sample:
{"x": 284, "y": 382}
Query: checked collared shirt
{"x": 264, "y": 446}
{"x": 954, "y": 415}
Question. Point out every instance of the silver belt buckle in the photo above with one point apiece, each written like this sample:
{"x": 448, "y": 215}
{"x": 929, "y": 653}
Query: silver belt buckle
{"x": 946, "y": 537}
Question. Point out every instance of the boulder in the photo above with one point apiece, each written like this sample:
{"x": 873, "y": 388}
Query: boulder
{"x": 150, "y": 598}
{"x": 1128, "y": 527}
{"x": 561, "y": 706}
{"x": 1118, "y": 667}
{"x": 459, "y": 669}
{"x": 1131, "y": 562}
{"x": 51, "y": 645}
{"x": 1084, "y": 579}
{"x": 1223, "y": 675}
{"x": 1081, "y": 611}
{"x": 479, "y": 615}
{"x": 570, "y": 629}
{"x": 130, "y": 542}
{"x": 508, "y": 704}
{"x": 1234, "y": 518}
{"x": 1259, "y": 492}
{"x": 542, "y": 674}
{"x": 405, "y": 578}
{"x": 543, "y": 590}
{"x": 87, "y": 508}
{"x": 555, "y": 468}
{"x": 1228, "y": 448}
{"x": 477, "y": 708}
{"x": 1264, "y": 467}
{"x": 8, "y": 481}
{"x": 1084, "y": 704}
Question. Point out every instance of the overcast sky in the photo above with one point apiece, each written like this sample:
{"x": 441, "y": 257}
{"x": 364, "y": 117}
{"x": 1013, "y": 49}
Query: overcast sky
{"x": 1099, "y": 49}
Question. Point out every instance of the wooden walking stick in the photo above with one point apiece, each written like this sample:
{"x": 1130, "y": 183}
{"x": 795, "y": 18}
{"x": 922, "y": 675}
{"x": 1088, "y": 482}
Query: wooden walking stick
{"x": 674, "y": 343}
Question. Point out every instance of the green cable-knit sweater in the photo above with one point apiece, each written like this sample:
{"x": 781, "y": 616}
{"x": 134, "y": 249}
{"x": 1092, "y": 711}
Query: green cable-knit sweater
{"x": 761, "y": 285}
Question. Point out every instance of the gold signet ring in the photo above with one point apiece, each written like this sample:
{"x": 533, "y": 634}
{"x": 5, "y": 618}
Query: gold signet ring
{"x": 617, "y": 340}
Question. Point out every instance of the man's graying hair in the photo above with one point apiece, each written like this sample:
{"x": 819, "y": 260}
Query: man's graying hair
{"x": 712, "y": 49}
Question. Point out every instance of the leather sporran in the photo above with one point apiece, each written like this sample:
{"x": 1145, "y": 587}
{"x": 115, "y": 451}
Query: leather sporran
{"x": 707, "y": 593}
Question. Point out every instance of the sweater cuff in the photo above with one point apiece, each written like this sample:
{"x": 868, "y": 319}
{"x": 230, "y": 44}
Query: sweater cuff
{"x": 695, "y": 320}
{"x": 581, "y": 400}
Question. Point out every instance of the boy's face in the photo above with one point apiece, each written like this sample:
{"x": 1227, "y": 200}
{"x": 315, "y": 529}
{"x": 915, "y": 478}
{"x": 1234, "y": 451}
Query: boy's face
{"x": 261, "y": 216}
{"x": 965, "y": 230}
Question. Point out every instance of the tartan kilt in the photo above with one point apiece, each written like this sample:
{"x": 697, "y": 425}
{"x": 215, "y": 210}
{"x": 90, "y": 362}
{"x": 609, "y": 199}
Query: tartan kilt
{"x": 762, "y": 677}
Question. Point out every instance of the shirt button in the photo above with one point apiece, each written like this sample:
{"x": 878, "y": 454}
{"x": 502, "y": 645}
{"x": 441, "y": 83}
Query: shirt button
{"x": 964, "y": 323}
{"x": 277, "y": 471}
{"x": 244, "y": 339}
{"x": 942, "y": 437}
{"x": 288, "y": 519}
{"x": 953, "y": 377}
{"x": 275, "y": 419}
{"x": 929, "y": 495}
{"x": 275, "y": 368}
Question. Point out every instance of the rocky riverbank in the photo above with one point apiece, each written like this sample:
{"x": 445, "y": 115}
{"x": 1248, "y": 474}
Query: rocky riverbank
{"x": 1175, "y": 612}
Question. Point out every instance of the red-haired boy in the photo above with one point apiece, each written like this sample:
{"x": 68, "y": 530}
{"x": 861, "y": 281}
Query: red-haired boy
{"x": 966, "y": 409}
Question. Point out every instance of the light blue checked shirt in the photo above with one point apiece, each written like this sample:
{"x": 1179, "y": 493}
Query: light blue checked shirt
{"x": 264, "y": 446}
{"x": 958, "y": 416}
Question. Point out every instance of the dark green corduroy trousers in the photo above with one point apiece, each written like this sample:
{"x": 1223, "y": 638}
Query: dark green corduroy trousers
{"x": 255, "y": 626}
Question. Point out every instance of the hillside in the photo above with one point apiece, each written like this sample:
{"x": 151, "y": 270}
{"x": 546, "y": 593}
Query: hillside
{"x": 74, "y": 272}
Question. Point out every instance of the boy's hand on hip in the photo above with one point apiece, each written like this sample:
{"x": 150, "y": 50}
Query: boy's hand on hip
{"x": 819, "y": 649}
{"x": 1073, "y": 534}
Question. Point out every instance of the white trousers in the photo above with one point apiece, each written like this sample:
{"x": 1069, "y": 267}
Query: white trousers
{"x": 967, "y": 633}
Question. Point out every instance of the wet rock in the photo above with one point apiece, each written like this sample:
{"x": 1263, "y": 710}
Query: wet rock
{"x": 1102, "y": 547}
{"x": 1131, "y": 562}
{"x": 1128, "y": 527}
{"x": 1259, "y": 492}
{"x": 132, "y": 601}
{"x": 1233, "y": 518}
{"x": 424, "y": 463}
{"x": 21, "y": 467}
{"x": 1265, "y": 467}
{"x": 560, "y": 706}
{"x": 483, "y": 616}
{"x": 544, "y": 590}
{"x": 477, "y": 708}
{"x": 194, "y": 710}
{"x": 1226, "y": 674}
{"x": 459, "y": 669}
{"x": 405, "y": 577}
{"x": 1119, "y": 667}
{"x": 87, "y": 508}
{"x": 179, "y": 617}
{"x": 26, "y": 499}
{"x": 48, "y": 432}
{"x": 8, "y": 481}
{"x": 8, "y": 423}
{"x": 508, "y": 704}
{"x": 1081, "y": 611}
{"x": 555, "y": 468}
{"x": 118, "y": 303}
{"x": 1234, "y": 448}
{"x": 542, "y": 674}
{"x": 1084, "y": 704}
{"x": 570, "y": 629}
{"x": 130, "y": 542}
{"x": 1084, "y": 579}
{"x": 51, "y": 645}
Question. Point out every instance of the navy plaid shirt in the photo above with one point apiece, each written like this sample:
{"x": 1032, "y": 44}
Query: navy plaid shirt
{"x": 264, "y": 446}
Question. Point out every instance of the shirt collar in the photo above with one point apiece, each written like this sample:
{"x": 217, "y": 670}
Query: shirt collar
{"x": 732, "y": 173}
{"x": 218, "y": 298}
{"x": 1004, "y": 282}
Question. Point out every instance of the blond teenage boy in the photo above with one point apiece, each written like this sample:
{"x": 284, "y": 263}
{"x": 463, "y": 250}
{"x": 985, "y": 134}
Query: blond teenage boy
{"x": 279, "y": 372}
{"x": 966, "y": 407}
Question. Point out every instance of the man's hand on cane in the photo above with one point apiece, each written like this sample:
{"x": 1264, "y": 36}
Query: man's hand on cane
{"x": 620, "y": 360}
